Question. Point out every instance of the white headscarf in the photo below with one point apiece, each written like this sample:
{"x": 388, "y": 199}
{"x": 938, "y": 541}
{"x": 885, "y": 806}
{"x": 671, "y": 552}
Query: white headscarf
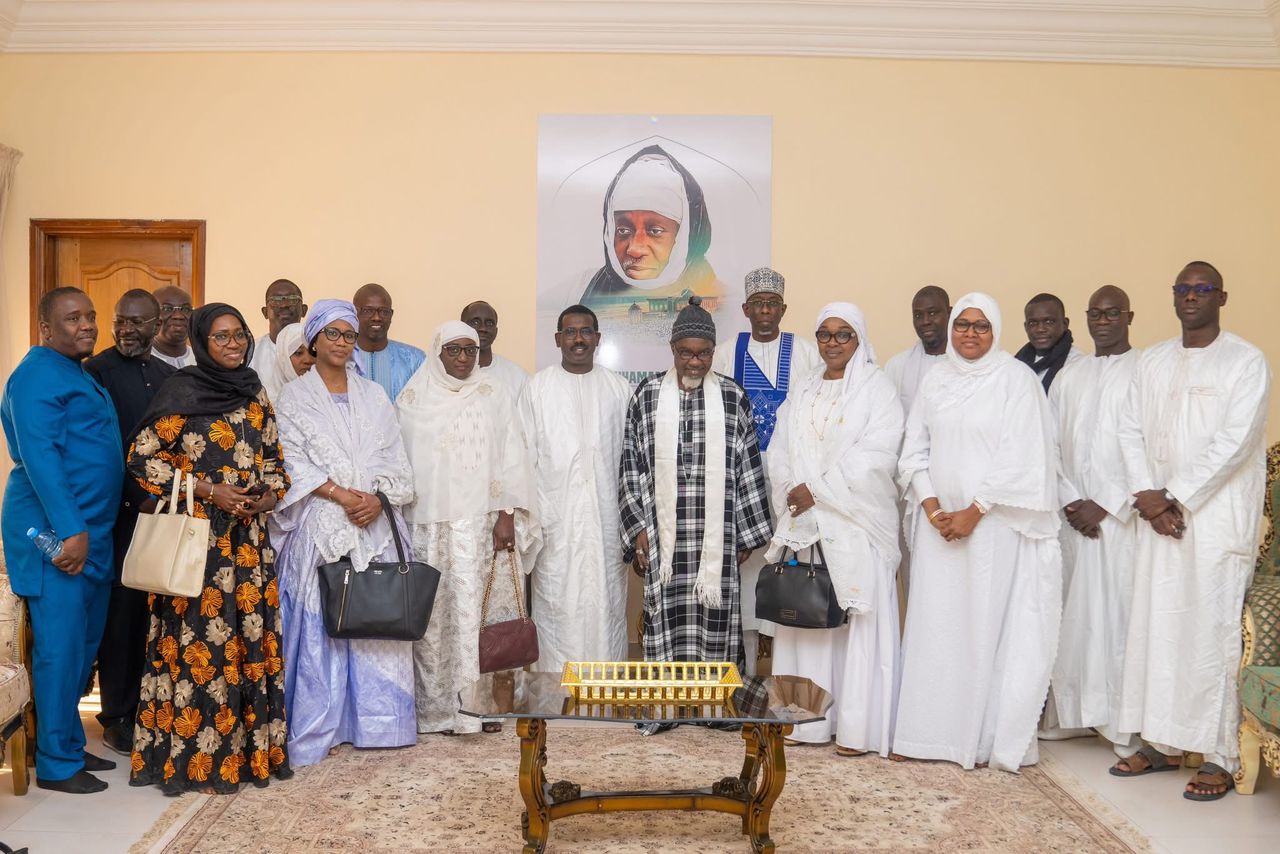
{"x": 864, "y": 358}
{"x": 461, "y": 438}
{"x": 971, "y": 373}
{"x": 279, "y": 371}
{"x": 651, "y": 183}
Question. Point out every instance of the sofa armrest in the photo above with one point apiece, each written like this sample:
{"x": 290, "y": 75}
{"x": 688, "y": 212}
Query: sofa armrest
{"x": 12, "y": 619}
{"x": 1262, "y": 622}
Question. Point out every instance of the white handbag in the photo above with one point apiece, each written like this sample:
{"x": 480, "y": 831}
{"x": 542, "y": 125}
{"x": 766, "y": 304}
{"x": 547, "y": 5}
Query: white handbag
{"x": 168, "y": 551}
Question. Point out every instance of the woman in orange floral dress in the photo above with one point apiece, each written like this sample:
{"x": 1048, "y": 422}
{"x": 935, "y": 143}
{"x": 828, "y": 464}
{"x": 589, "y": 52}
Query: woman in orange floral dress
{"x": 212, "y": 711}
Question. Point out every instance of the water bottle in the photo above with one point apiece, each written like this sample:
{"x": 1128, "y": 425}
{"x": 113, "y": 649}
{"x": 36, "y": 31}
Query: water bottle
{"x": 47, "y": 542}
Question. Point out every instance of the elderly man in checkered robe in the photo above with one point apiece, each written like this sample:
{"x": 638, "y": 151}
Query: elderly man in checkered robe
{"x": 694, "y": 504}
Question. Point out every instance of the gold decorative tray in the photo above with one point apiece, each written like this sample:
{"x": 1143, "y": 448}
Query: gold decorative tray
{"x": 645, "y": 682}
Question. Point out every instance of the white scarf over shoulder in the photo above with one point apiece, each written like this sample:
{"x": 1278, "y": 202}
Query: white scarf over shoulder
{"x": 666, "y": 442}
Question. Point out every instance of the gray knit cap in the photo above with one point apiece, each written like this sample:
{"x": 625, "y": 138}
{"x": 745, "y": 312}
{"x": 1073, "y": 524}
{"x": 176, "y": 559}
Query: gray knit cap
{"x": 763, "y": 280}
{"x": 693, "y": 321}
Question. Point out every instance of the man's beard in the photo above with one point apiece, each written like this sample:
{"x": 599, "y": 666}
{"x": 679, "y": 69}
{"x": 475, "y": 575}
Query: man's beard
{"x": 690, "y": 383}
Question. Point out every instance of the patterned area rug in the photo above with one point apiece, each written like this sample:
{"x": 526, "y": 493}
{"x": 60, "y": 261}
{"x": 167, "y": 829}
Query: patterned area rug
{"x": 459, "y": 794}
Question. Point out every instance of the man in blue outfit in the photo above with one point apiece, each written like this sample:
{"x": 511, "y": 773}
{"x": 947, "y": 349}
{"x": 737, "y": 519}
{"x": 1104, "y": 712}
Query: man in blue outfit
{"x": 766, "y": 362}
{"x": 64, "y": 439}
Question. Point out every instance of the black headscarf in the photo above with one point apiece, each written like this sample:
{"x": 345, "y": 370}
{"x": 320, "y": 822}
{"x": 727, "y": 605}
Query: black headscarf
{"x": 1052, "y": 361}
{"x": 606, "y": 282}
{"x": 207, "y": 388}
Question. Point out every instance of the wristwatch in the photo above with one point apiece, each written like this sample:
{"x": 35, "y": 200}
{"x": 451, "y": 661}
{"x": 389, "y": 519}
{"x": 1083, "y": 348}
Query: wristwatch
{"x": 1168, "y": 496}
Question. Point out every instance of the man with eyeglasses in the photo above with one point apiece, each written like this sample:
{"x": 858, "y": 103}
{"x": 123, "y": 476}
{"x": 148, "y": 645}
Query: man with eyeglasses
{"x": 1088, "y": 399}
{"x": 572, "y": 415}
{"x": 763, "y": 361}
{"x": 695, "y": 504}
{"x": 64, "y": 439}
{"x": 170, "y": 344}
{"x": 132, "y": 375}
{"x": 283, "y": 306}
{"x": 1049, "y": 346}
{"x": 482, "y": 317}
{"x": 388, "y": 363}
{"x": 1194, "y": 442}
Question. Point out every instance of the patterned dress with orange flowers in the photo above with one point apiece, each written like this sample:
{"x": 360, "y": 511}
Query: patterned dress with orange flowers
{"x": 212, "y": 708}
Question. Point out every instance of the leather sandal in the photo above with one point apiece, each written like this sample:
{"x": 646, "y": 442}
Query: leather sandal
{"x": 1156, "y": 762}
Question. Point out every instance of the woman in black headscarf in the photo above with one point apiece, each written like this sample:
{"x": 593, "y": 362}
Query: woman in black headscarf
{"x": 211, "y": 710}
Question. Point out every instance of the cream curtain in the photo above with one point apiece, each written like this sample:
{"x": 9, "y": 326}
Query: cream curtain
{"x": 9, "y": 158}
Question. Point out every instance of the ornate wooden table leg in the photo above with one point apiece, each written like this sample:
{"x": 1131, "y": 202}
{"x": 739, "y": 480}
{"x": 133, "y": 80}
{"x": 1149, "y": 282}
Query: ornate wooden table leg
{"x": 773, "y": 774}
{"x": 533, "y": 758}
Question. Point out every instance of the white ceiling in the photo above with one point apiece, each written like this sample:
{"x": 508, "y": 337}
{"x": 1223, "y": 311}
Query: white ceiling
{"x": 1228, "y": 33}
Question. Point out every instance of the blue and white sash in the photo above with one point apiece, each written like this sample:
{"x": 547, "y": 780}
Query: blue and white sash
{"x": 765, "y": 398}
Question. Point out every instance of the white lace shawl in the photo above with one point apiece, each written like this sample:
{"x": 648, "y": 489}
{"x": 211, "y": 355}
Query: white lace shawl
{"x": 362, "y": 450}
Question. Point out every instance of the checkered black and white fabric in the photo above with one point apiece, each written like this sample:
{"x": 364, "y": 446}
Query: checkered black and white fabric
{"x": 677, "y": 626}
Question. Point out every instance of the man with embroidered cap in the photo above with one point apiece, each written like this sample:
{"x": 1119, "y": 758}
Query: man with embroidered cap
{"x": 764, "y": 361}
{"x": 694, "y": 502}
{"x": 64, "y": 439}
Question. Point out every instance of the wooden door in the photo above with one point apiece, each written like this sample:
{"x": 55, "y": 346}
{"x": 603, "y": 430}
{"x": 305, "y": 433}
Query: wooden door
{"x": 105, "y": 258}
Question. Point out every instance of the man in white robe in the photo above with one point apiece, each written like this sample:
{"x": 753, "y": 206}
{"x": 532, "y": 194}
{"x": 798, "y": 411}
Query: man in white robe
{"x": 1194, "y": 443}
{"x": 1049, "y": 346}
{"x": 572, "y": 415}
{"x": 483, "y": 318}
{"x": 283, "y": 306}
{"x": 930, "y": 309}
{"x": 1087, "y": 400}
{"x": 766, "y": 362}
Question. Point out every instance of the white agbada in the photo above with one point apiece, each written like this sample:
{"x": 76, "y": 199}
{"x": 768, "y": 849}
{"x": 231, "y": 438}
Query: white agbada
{"x": 908, "y": 370}
{"x": 982, "y": 623}
{"x": 1088, "y": 398}
{"x": 185, "y": 360}
{"x": 1196, "y": 426}
{"x": 507, "y": 374}
{"x": 805, "y": 363}
{"x": 841, "y": 439}
{"x": 573, "y": 427}
{"x": 469, "y": 463}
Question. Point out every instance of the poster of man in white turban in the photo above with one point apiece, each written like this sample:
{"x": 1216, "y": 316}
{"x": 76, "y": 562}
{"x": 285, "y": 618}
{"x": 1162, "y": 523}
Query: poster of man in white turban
{"x": 626, "y": 206}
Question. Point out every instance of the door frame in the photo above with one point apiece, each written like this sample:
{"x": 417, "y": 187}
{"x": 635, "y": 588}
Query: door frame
{"x": 45, "y": 231}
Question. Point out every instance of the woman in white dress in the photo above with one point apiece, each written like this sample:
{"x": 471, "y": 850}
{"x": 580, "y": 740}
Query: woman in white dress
{"x": 982, "y": 624}
{"x": 835, "y": 457}
{"x": 473, "y": 485}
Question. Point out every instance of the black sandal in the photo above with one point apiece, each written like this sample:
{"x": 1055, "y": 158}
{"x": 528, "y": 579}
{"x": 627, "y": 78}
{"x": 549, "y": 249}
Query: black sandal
{"x": 1156, "y": 762}
{"x": 491, "y": 726}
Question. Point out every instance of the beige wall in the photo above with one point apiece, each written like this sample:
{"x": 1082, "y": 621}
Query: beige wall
{"x": 419, "y": 171}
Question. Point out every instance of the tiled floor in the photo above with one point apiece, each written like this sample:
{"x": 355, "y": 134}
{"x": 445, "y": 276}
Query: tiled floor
{"x": 108, "y": 823}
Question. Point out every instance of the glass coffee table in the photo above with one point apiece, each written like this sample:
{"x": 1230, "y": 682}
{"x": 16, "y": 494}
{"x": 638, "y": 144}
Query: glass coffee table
{"x": 766, "y": 708}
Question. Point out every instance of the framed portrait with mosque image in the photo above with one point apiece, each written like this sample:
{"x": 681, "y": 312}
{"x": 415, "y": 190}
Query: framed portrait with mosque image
{"x": 636, "y": 214}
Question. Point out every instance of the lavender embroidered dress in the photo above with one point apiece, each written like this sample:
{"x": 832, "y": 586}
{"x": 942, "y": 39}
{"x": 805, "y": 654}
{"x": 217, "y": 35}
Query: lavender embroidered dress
{"x": 339, "y": 691}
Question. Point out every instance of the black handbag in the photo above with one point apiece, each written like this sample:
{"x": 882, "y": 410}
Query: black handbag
{"x": 799, "y": 595}
{"x": 388, "y": 601}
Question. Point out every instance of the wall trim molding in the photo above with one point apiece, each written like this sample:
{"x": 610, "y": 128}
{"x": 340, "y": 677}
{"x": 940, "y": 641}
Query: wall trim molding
{"x": 1221, "y": 33}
